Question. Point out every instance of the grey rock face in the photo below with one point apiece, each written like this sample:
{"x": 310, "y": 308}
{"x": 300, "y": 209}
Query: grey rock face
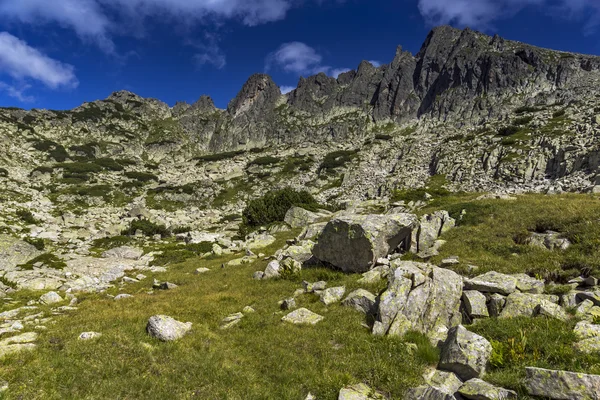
{"x": 476, "y": 389}
{"x": 361, "y": 300}
{"x": 332, "y": 295}
{"x": 475, "y": 304}
{"x": 167, "y": 329}
{"x": 525, "y": 304}
{"x": 354, "y": 243}
{"x": 298, "y": 217}
{"x": 420, "y": 297}
{"x": 50, "y": 298}
{"x": 492, "y": 282}
{"x": 126, "y": 252}
{"x": 465, "y": 353}
{"x": 562, "y": 385}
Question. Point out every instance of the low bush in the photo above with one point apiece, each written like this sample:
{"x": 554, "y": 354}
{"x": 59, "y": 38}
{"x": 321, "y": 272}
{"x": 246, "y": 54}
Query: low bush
{"x": 337, "y": 159}
{"x": 49, "y": 260}
{"x": 220, "y": 156}
{"x": 266, "y": 160}
{"x": 508, "y": 130}
{"x": 54, "y": 150}
{"x": 112, "y": 242}
{"x": 79, "y": 167}
{"x": 37, "y": 243}
{"x": 109, "y": 164}
{"x": 88, "y": 150}
{"x": 141, "y": 176}
{"x": 3, "y": 173}
{"x": 181, "y": 229}
{"x": 43, "y": 170}
{"x": 148, "y": 228}
{"x": 523, "y": 120}
{"x": 27, "y": 217}
{"x": 178, "y": 254}
{"x": 381, "y": 136}
{"x": 273, "y": 206}
{"x": 526, "y": 109}
{"x": 558, "y": 114}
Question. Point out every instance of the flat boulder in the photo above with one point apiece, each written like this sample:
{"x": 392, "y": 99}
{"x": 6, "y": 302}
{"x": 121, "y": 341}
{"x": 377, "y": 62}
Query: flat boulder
{"x": 561, "y": 385}
{"x": 527, "y": 305}
{"x": 302, "y": 316}
{"x": 477, "y": 389}
{"x": 353, "y": 243}
{"x": 167, "y": 329}
{"x": 298, "y": 217}
{"x": 125, "y": 252}
{"x": 492, "y": 282}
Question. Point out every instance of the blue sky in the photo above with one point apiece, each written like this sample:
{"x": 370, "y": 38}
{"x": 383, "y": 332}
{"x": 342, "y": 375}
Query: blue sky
{"x": 57, "y": 54}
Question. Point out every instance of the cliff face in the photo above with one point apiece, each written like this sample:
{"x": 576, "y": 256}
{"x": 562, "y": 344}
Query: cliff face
{"x": 460, "y": 84}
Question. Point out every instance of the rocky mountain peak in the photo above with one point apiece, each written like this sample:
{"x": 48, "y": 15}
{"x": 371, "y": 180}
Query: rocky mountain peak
{"x": 258, "y": 94}
{"x": 204, "y": 104}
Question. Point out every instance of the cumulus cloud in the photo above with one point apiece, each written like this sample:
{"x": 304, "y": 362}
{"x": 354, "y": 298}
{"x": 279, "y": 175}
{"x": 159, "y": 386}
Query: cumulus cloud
{"x": 17, "y": 92}
{"x": 209, "y": 52}
{"x": 338, "y": 71}
{"x": 287, "y": 89}
{"x": 481, "y": 13}
{"x": 376, "y": 64}
{"x": 300, "y": 59}
{"x": 22, "y": 62}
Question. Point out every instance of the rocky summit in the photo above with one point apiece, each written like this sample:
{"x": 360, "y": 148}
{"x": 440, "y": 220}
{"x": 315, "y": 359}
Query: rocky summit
{"x": 425, "y": 229}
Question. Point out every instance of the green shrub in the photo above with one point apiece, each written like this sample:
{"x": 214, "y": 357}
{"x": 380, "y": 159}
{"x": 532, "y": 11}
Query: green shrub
{"x": 92, "y": 191}
{"x": 27, "y": 217}
{"x": 526, "y": 109}
{"x": 266, "y": 160}
{"x": 220, "y": 156}
{"x": 148, "y": 228}
{"x": 88, "y": 150}
{"x": 141, "y": 176}
{"x": 37, "y": 243}
{"x": 48, "y": 259}
{"x": 295, "y": 164}
{"x": 177, "y": 254}
{"x": 273, "y": 206}
{"x": 381, "y": 136}
{"x": 558, "y": 114}
{"x": 43, "y": 170}
{"x": 109, "y": 164}
{"x": 54, "y": 150}
{"x": 3, "y": 173}
{"x": 523, "y": 120}
{"x": 337, "y": 159}
{"x": 112, "y": 242}
{"x": 508, "y": 130}
{"x": 79, "y": 167}
{"x": 181, "y": 229}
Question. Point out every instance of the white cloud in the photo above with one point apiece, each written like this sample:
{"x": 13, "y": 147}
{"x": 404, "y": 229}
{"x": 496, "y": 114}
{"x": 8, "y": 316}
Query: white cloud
{"x": 481, "y": 13}
{"x": 287, "y": 89}
{"x": 337, "y": 71}
{"x": 22, "y": 62}
{"x": 376, "y": 64}
{"x": 17, "y": 92}
{"x": 295, "y": 57}
{"x": 209, "y": 52}
{"x": 300, "y": 59}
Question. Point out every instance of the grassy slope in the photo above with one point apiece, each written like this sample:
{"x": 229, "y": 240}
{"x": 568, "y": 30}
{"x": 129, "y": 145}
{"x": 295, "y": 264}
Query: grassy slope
{"x": 261, "y": 358}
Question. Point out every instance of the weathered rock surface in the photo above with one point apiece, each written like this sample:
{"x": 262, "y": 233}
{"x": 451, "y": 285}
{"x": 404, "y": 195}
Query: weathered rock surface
{"x": 476, "y": 389}
{"x": 167, "y": 329}
{"x": 359, "y": 392}
{"x": 562, "y": 385}
{"x": 354, "y": 243}
{"x": 361, "y": 300}
{"x": 492, "y": 282}
{"x": 465, "y": 353}
{"x": 420, "y": 297}
{"x": 303, "y": 316}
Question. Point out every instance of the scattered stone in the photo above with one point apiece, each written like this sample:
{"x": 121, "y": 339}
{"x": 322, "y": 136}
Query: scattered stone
{"x": 258, "y": 275}
{"x": 89, "y": 335}
{"x": 476, "y": 389}
{"x": 353, "y": 243}
{"x": 562, "y": 385}
{"x": 123, "y": 296}
{"x": 303, "y": 316}
{"x": 126, "y": 252}
{"x": 359, "y": 392}
{"x": 449, "y": 262}
{"x": 332, "y": 295}
{"x": 50, "y": 298}
{"x": 492, "y": 282}
{"x": 297, "y": 217}
{"x": 447, "y": 382}
{"x": 430, "y": 228}
{"x": 273, "y": 270}
{"x": 16, "y": 344}
{"x": 166, "y": 329}
{"x": 594, "y": 297}
{"x": 140, "y": 277}
{"x": 231, "y": 320}
{"x": 548, "y": 241}
{"x": 465, "y": 353}
{"x": 475, "y": 304}
{"x": 361, "y": 300}
{"x": 288, "y": 304}
{"x": 552, "y": 310}
{"x": 165, "y": 286}
{"x": 527, "y": 284}
{"x": 248, "y": 310}
{"x": 202, "y": 270}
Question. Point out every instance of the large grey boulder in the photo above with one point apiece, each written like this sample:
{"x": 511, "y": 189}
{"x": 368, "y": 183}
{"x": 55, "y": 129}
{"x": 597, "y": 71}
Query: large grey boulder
{"x": 420, "y": 297}
{"x": 475, "y": 304}
{"x": 298, "y": 217}
{"x": 428, "y": 392}
{"x": 15, "y": 252}
{"x": 562, "y": 385}
{"x": 303, "y": 316}
{"x": 359, "y": 392}
{"x": 465, "y": 353}
{"x": 477, "y": 389}
{"x": 492, "y": 282}
{"x": 167, "y": 329}
{"x": 50, "y": 298}
{"x": 353, "y": 243}
{"x": 526, "y": 305}
{"x": 332, "y": 295}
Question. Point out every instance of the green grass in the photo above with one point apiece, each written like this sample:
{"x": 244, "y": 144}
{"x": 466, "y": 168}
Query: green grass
{"x": 148, "y": 228}
{"x": 337, "y": 159}
{"x": 260, "y": 358}
{"x": 177, "y": 253}
{"x": 531, "y": 342}
{"x": 49, "y": 260}
{"x": 434, "y": 187}
{"x": 490, "y": 234}
{"x": 265, "y": 160}
{"x": 27, "y": 217}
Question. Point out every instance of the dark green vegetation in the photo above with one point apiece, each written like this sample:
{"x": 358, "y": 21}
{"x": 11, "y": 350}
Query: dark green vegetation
{"x": 147, "y": 228}
{"x": 260, "y": 358}
{"x": 435, "y": 187}
{"x": 273, "y": 206}
{"x": 27, "y": 217}
{"x": 141, "y": 176}
{"x": 49, "y": 260}
{"x": 508, "y": 130}
{"x": 112, "y": 242}
{"x": 220, "y": 156}
{"x": 266, "y": 160}
{"x": 3, "y": 173}
{"x": 490, "y": 234}
{"x": 37, "y": 243}
{"x": 178, "y": 253}
{"x": 337, "y": 159}
{"x": 531, "y": 342}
